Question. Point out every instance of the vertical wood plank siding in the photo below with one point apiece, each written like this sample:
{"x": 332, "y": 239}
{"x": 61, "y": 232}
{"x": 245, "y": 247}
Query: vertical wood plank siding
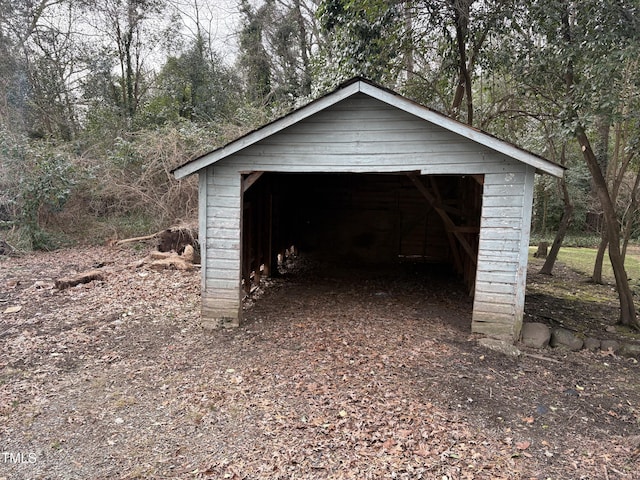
{"x": 362, "y": 134}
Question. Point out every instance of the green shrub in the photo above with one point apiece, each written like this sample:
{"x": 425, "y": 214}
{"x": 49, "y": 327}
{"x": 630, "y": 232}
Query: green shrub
{"x": 38, "y": 180}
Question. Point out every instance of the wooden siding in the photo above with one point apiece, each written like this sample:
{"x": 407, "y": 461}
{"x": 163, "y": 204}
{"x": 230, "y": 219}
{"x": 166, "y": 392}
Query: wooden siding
{"x": 202, "y": 222}
{"x": 221, "y": 264}
{"x": 502, "y": 258}
{"x": 362, "y": 135}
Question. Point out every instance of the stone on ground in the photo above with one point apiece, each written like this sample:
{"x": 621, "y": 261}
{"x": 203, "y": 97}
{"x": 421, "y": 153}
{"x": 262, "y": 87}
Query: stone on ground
{"x": 610, "y": 345}
{"x": 631, "y": 350}
{"x": 563, "y": 338}
{"x": 535, "y": 335}
{"x": 592, "y": 344}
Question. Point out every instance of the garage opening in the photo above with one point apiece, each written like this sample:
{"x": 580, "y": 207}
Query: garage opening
{"x": 361, "y": 219}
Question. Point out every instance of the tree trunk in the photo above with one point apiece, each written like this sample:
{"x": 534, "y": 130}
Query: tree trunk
{"x": 625, "y": 295}
{"x": 409, "y": 60}
{"x": 461, "y": 19}
{"x": 601, "y": 147}
{"x": 304, "y": 49}
{"x": 601, "y": 152}
{"x": 631, "y": 214}
{"x": 565, "y": 221}
{"x": 85, "y": 277}
{"x": 596, "y": 277}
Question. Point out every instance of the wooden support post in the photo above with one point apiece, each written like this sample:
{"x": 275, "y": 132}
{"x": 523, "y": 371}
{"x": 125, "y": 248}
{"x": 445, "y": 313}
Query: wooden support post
{"x": 268, "y": 256}
{"x": 246, "y": 246}
{"x": 258, "y": 240}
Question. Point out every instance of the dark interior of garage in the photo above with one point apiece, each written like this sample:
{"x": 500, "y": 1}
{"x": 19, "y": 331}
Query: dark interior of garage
{"x": 364, "y": 219}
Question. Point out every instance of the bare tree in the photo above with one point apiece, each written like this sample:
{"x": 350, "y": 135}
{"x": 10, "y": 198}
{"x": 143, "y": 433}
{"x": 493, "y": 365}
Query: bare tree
{"x": 128, "y": 29}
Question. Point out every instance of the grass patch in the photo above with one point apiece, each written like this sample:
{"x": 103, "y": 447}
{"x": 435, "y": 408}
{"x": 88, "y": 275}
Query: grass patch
{"x": 582, "y": 259}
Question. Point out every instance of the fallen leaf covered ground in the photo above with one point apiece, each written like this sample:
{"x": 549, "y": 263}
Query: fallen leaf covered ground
{"x": 335, "y": 373}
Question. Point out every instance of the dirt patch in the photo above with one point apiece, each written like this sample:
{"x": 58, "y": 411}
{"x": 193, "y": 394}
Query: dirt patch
{"x": 335, "y": 373}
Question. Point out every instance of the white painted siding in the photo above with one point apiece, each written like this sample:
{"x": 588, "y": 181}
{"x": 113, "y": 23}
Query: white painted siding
{"x": 221, "y": 265}
{"x": 202, "y": 223}
{"x": 362, "y": 134}
{"x": 504, "y": 239}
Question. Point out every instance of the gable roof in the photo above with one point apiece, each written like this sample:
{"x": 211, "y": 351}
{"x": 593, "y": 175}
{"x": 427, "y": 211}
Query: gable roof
{"x": 360, "y": 85}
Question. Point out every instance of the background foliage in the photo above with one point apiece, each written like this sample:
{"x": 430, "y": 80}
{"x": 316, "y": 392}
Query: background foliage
{"x": 100, "y": 99}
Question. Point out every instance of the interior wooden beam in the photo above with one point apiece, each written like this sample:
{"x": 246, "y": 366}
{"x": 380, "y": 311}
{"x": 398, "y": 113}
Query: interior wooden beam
{"x": 448, "y": 223}
{"x": 246, "y": 245}
{"x": 250, "y": 179}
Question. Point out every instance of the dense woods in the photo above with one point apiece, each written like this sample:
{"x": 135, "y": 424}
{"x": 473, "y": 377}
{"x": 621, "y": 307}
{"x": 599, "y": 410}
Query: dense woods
{"x": 101, "y": 99}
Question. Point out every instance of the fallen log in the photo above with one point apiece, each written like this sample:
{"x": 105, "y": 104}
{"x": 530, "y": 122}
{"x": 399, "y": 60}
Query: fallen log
{"x": 172, "y": 262}
{"x": 158, "y": 255}
{"x": 155, "y": 260}
{"x": 163, "y": 260}
{"x": 190, "y": 254}
{"x": 137, "y": 239}
{"x": 84, "y": 277}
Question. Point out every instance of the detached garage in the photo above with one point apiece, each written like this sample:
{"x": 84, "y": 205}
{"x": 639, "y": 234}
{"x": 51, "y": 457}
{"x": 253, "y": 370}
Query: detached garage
{"x": 366, "y": 174}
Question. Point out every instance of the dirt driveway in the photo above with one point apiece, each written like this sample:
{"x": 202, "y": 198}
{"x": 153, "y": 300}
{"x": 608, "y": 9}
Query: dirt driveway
{"x": 365, "y": 374}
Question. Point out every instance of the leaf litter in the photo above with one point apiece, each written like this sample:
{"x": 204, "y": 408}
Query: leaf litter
{"x": 334, "y": 373}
